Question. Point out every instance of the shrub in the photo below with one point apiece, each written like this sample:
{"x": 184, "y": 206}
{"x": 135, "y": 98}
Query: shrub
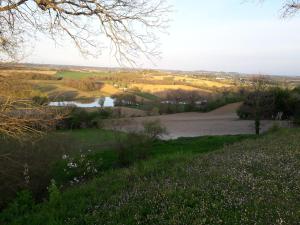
{"x": 125, "y": 100}
{"x": 273, "y": 102}
{"x": 22, "y": 204}
{"x": 260, "y": 104}
{"x": 74, "y": 170}
{"x": 81, "y": 118}
{"x": 153, "y": 129}
{"x": 28, "y": 165}
{"x": 54, "y": 195}
{"x": 136, "y": 145}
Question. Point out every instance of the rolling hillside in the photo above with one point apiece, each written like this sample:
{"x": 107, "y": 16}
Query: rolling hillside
{"x": 251, "y": 182}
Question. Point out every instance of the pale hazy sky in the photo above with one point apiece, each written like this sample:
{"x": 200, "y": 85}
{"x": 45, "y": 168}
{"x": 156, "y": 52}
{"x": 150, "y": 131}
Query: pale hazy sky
{"x": 219, "y": 35}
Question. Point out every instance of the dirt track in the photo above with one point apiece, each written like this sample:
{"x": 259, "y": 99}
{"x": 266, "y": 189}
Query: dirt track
{"x": 218, "y": 122}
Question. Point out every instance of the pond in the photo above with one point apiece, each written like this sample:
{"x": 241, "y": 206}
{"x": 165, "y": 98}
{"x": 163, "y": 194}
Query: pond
{"x": 97, "y": 103}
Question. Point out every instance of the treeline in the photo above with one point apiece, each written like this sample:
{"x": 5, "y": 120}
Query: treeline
{"x": 87, "y": 84}
{"x": 178, "y": 101}
{"x": 274, "y": 103}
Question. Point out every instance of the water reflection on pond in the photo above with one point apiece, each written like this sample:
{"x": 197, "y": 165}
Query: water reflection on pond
{"x": 99, "y": 102}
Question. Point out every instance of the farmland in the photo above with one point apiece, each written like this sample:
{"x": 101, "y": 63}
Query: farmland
{"x": 170, "y": 149}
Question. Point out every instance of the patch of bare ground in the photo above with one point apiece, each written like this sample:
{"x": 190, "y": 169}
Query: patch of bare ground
{"x": 222, "y": 121}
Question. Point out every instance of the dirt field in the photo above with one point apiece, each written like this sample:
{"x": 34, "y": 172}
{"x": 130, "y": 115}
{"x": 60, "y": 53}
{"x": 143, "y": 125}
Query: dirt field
{"x": 222, "y": 121}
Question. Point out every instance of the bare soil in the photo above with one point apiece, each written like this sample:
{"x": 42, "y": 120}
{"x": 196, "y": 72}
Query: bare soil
{"x": 222, "y": 121}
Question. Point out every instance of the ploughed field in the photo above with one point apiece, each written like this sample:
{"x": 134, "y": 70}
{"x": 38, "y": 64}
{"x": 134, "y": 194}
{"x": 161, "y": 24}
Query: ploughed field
{"x": 222, "y": 121}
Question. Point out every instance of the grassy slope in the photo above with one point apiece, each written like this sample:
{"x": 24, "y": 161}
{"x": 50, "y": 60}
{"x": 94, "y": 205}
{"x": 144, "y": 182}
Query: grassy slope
{"x": 90, "y": 138}
{"x": 251, "y": 182}
{"x": 101, "y": 142}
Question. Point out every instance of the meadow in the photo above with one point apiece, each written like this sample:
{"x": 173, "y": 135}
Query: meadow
{"x": 45, "y": 157}
{"x": 192, "y": 182}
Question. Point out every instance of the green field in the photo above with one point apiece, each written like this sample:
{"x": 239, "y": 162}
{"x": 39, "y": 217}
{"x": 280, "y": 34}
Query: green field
{"x": 147, "y": 96}
{"x": 79, "y": 75}
{"x": 184, "y": 182}
{"x": 101, "y": 144}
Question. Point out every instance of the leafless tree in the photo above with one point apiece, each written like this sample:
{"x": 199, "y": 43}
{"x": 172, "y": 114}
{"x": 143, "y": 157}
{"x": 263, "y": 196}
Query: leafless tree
{"x": 19, "y": 117}
{"x": 290, "y": 8}
{"x": 130, "y": 25}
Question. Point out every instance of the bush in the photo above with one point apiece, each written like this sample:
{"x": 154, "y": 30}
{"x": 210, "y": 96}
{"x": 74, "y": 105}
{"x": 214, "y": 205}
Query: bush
{"x": 28, "y": 165}
{"x": 136, "y": 145}
{"x": 133, "y": 147}
{"x": 272, "y": 103}
{"x": 22, "y": 204}
{"x": 125, "y": 100}
{"x": 75, "y": 170}
{"x": 153, "y": 129}
{"x": 81, "y": 118}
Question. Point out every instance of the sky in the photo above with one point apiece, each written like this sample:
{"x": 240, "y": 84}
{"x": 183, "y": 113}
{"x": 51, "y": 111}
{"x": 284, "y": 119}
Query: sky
{"x": 220, "y": 35}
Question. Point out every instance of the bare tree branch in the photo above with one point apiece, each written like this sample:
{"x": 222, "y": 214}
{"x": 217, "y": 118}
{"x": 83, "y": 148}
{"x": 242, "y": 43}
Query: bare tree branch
{"x": 130, "y": 25}
{"x": 19, "y": 117}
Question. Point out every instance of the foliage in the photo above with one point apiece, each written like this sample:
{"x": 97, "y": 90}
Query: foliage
{"x": 81, "y": 118}
{"x": 251, "y": 181}
{"x": 93, "y": 151}
{"x": 221, "y": 101}
{"x": 22, "y": 204}
{"x": 78, "y": 169}
{"x": 125, "y": 99}
{"x": 87, "y": 84}
{"x": 153, "y": 129}
{"x": 136, "y": 145}
{"x": 42, "y": 160}
{"x": 27, "y": 165}
{"x": 54, "y": 194}
{"x": 276, "y": 103}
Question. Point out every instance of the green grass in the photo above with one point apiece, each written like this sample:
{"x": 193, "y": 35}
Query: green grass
{"x": 90, "y": 138}
{"x": 147, "y": 95}
{"x": 100, "y": 145}
{"x": 42, "y": 156}
{"x": 97, "y": 138}
{"x": 79, "y": 75}
{"x": 196, "y": 145}
{"x": 249, "y": 182}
